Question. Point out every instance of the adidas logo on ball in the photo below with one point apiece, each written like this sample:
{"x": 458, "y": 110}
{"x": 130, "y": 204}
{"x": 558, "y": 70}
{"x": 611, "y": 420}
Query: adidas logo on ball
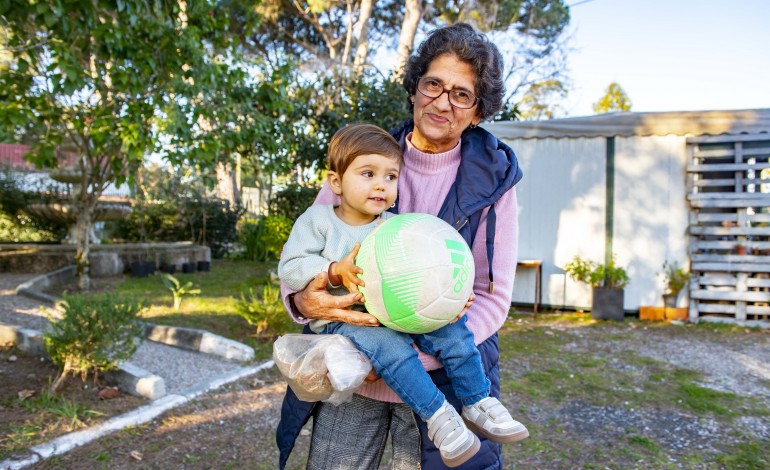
{"x": 418, "y": 272}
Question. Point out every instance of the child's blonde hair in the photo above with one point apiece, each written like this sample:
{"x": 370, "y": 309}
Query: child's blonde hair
{"x": 360, "y": 139}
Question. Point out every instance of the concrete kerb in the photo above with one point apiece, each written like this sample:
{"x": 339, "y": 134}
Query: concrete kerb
{"x": 139, "y": 416}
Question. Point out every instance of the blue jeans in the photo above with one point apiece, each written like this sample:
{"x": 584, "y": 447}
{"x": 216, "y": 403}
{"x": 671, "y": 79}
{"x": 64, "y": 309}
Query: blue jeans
{"x": 395, "y": 360}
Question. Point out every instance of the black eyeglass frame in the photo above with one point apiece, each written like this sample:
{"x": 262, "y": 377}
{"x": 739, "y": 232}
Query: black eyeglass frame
{"x": 448, "y": 91}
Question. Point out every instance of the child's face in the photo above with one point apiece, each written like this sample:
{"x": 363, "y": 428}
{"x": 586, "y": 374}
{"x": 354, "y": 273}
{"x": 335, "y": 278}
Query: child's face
{"x": 367, "y": 188}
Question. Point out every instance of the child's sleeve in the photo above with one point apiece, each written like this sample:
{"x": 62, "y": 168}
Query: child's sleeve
{"x": 301, "y": 258}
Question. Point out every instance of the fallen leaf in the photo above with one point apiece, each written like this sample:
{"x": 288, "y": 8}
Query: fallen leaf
{"x": 26, "y": 393}
{"x": 136, "y": 455}
{"x": 108, "y": 393}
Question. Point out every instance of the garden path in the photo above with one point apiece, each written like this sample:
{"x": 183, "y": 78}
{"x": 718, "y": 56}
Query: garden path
{"x": 180, "y": 369}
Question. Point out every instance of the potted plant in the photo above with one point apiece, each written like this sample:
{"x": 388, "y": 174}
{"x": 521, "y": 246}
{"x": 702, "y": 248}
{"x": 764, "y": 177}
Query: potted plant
{"x": 675, "y": 278}
{"x": 607, "y": 282}
{"x": 166, "y": 265}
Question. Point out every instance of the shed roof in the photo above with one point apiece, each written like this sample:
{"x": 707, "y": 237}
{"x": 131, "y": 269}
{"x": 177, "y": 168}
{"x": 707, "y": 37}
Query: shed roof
{"x": 626, "y": 124}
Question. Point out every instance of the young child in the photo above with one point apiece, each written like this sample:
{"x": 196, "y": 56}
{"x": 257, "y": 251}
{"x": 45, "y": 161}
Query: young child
{"x": 364, "y": 165}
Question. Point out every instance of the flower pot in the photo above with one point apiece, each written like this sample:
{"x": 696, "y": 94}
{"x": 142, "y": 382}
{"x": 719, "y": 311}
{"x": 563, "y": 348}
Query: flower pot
{"x": 142, "y": 268}
{"x": 204, "y": 266}
{"x": 669, "y": 300}
{"x": 189, "y": 267}
{"x": 168, "y": 268}
{"x": 607, "y": 304}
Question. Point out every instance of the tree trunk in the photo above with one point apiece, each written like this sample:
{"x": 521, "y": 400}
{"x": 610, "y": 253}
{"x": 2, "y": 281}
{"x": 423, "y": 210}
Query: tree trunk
{"x": 362, "y": 34}
{"x": 412, "y": 18}
{"x": 83, "y": 227}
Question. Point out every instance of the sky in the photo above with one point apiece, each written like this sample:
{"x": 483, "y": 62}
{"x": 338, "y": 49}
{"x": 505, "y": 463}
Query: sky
{"x": 670, "y": 55}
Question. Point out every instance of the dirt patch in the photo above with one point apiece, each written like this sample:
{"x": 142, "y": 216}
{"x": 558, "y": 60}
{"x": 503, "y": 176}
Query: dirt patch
{"x": 30, "y": 414}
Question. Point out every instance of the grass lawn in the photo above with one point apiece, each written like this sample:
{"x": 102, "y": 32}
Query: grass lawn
{"x": 213, "y": 309}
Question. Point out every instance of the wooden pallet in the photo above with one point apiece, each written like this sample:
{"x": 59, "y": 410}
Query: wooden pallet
{"x": 728, "y": 189}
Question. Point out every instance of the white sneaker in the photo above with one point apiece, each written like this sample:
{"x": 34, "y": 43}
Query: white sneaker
{"x": 490, "y": 418}
{"x": 454, "y": 441}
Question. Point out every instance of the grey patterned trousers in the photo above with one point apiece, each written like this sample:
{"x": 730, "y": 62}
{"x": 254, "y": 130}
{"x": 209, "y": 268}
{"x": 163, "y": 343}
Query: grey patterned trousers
{"x": 352, "y": 436}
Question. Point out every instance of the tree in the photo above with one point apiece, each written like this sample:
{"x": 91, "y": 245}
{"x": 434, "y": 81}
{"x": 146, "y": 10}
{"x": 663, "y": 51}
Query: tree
{"x": 614, "y": 99}
{"x": 98, "y": 76}
{"x": 538, "y": 101}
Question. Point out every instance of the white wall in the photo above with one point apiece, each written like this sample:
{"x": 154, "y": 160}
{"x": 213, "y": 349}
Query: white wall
{"x": 650, "y": 217}
{"x": 562, "y": 213}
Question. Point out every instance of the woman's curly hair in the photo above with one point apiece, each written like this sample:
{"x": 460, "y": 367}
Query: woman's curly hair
{"x": 471, "y": 47}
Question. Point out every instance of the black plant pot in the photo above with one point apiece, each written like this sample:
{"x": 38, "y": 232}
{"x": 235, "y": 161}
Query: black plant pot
{"x": 607, "y": 304}
{"x": 669, "y": 300}
{"x": 204, "y": 266}
{"x": 168, "y": 268}
{"x": 188, "y": 268}
{"x": 142, "y": 269}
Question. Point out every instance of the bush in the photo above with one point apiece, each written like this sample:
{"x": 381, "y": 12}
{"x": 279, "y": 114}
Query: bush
{"x": 293, "y": 200}
{"x": 265, "y": 311}
{"x": 19, "y": 225}
{"x": 94, "y": 335}
{"x": 262, "y": 239}
{"x": 213, "y": 222}
{"x": 609, "y": 276}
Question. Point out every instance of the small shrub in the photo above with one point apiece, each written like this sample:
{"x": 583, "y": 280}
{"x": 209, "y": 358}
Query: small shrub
{"x": 265, "y": 311}
{"x": 251, "y": 239}
{"x": 178, "y": 290}
{"x": 262, "y": 239}
{"x": 94, "y": 335}
{"x": 610, "y": 276}
{"x": 675, "y": 277}
{"x": 277, "y": 230}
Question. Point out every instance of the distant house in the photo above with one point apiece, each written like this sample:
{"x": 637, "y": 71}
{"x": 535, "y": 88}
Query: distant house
{"x": 12, "y": 160}
{"x": 648, "y": 187}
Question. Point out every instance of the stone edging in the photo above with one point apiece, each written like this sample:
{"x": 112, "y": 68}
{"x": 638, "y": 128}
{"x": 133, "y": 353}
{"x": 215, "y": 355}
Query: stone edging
{"x": 131, "y": 378}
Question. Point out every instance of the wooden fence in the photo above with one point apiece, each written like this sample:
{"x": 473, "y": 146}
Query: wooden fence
{"x": 728, "y": 189}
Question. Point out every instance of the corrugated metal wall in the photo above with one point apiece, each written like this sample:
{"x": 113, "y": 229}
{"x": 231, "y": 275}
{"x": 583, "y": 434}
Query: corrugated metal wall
{"x": 562, "y": 203}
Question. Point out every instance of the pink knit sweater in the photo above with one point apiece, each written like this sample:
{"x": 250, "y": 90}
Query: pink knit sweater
{"x": 422, "y": 187}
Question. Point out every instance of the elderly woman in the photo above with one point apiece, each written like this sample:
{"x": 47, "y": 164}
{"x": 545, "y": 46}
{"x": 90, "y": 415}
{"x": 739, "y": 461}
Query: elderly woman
{"x": 464, "y": 175}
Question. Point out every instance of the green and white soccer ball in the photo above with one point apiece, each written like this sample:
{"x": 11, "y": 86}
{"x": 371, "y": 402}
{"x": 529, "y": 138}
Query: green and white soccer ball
{"x": 418, "y": 273}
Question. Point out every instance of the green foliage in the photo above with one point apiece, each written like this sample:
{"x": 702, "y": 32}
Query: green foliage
{"x": 17, "y": 224}
{"x": 293, "y": 200}
{"x": 614, "y": 99}
{"x": 541, "y": 99}
{"x": 262, "y": 239}
{"x": 675, "y": 277}
{"x": 251, "y": 239}
{"x": 93, "y": 335}
{"x": 610, "y": 276}
{"x": 265, "y": 311}
{"x": 72, "y": 412}
{"x": 277, "y": 230}
{"x": 115, "y": 81}
{"x": 178, "y": 290}
{"x": 213, "y": 222}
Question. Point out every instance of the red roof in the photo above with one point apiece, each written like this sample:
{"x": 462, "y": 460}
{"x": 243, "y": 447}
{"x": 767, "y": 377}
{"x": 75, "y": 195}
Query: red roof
{"x": 12, "y": 156}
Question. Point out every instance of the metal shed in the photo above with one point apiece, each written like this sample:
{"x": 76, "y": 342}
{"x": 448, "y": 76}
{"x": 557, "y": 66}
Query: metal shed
{"x": 649, "y": 188}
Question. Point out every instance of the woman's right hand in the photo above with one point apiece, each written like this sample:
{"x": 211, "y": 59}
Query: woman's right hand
{"x": 316, "y": 303}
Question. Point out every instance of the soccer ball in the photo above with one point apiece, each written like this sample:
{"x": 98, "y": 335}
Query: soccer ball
{"x": 418, "y": 273}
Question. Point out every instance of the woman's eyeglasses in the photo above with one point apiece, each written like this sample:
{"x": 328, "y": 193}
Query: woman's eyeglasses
{"x": 458, "y": 97}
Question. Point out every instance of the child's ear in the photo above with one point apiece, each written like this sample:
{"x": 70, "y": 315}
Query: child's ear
{"x": 335, "y": 182}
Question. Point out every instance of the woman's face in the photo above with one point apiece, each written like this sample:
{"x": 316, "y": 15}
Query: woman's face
{"x": 438, "y": 124}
